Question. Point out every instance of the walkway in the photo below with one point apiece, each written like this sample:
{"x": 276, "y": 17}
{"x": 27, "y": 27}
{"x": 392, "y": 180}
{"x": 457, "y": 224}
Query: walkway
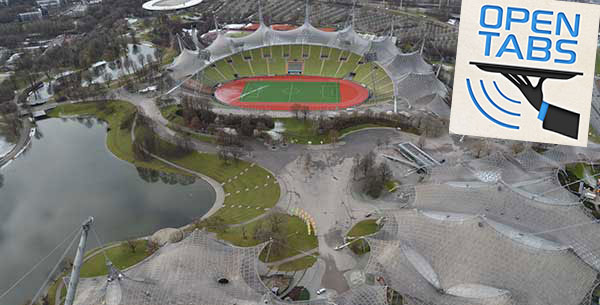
{"x": 22, "y": 143}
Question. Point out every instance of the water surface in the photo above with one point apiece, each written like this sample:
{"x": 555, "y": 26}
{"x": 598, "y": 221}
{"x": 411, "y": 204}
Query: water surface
{"x": 69, "y": 174}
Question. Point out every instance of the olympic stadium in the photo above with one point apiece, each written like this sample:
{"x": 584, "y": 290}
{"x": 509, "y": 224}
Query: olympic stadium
{"x": 286, "y": 68}
{"x": 497, "y": 230}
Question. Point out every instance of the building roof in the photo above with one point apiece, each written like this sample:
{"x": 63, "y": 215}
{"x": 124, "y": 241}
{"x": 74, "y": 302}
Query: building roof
{"x": 448, "y": 258}
{"x": 188, "y": 272}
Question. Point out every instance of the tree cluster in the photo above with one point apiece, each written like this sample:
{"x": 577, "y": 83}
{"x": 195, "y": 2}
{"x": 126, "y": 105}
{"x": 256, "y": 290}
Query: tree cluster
{"x": 198, "y": 115}
{"x": 374, "y": 176}
{"x": 272, "y": 230}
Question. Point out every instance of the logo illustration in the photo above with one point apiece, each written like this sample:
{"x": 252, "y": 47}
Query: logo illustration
{"x": 525, "y": 71}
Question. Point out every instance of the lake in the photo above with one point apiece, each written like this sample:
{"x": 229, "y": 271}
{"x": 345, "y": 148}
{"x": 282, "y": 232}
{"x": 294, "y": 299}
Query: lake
{"x": 67, "y": 175}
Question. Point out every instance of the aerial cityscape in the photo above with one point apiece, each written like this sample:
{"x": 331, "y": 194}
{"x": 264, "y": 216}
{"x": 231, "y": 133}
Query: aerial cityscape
{"x": 273, "y": 152}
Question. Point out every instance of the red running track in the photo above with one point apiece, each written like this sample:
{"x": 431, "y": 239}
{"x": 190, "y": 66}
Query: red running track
{"x": 351, "y": 93}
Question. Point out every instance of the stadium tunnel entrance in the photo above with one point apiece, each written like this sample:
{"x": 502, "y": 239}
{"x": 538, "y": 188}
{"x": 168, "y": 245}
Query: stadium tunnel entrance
{"x": 287, "y": 92}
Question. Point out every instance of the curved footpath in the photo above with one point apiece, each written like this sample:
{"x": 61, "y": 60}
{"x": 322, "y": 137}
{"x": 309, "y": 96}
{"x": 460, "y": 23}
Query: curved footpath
{"x": 217, "y": 187}
{"x": 20, "y": 146}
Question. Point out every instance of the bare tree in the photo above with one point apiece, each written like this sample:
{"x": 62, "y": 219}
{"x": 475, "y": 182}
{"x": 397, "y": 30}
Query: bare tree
{"x": 421, "y": 142}
{"x": 385, "y": 172}
{"x": 367, "y": 163}
{"x": 356, "y": 166}
{"x": 244, "y": 236}
{"x": 296, "y": 110}
{"x": 480, "y": 148}
{"x": 333, "y": 136}
{"x": 305, "y": 112}
{"x": 108, "y": 78}
{"x": 132, "y": 245}
{"x": 275, "y": 221}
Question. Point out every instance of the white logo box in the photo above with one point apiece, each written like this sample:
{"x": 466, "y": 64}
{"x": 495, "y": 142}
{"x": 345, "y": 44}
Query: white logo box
{"x": 504, "y": 49}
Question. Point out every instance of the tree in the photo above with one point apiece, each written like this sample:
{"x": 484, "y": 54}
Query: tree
{"x": 132, "y": 245}
{"x": 6, "y": 92}
{"x": 141, "y": 60}
{"x": 367, "y": 163}
{"x": 385, "y": 172}
{"x": 244, "y": 236}
{"x": 307, "y": 162}
{"x": 236, "y": 155}
{"x": 108, "y": 78}
{"x": 195, "y": 123}
{"x": 223, "y": 155}
{"x": 305, "y": 112}
{"x": 518, "y": 147}
{"x": 480, "y": 148}
{"x": 333, "y": 136}
{"x": 158, "y": 54}
{"x": 421, "y": 142}
{"x": 151, "y": 246}
{"x": 296, "y": 108}
{"x": 356, "y": 166}
{"x": 275, "y": 221}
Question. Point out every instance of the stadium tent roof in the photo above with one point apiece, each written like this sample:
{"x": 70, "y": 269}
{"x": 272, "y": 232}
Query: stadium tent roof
{"x": 188, "y": 272}
{"x": 444, "y": 258}
{"x": 567, "y": 224}
{"x": 411, "y": 75}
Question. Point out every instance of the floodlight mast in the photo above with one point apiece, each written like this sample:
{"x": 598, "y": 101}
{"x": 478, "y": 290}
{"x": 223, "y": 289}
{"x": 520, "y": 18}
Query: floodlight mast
{"x": 74, "y": 280}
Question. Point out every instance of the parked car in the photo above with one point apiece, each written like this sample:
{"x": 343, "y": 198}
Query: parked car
{"x": 321, "y": 291}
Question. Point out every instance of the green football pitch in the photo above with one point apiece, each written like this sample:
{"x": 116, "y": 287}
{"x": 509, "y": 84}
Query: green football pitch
{"x": 291, "y": 92}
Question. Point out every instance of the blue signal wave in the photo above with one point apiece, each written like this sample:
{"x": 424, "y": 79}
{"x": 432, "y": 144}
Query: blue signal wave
{"x": 494, "y": 104}
{"x": 489, "y": 117}
{"x": 504, "y": 96}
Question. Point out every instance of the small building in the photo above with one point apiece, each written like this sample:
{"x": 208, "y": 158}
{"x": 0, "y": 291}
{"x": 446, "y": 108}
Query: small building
{"x": 49, "y": 4}
{"x": 33, "y": 15}
{"x": 39, "y": 114}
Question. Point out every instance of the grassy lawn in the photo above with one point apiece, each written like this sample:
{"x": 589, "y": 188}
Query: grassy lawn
{"x": 198, "y": 136}
{"x": 365, "y": 227}
{"x": 203, "y": 138}
{"x": 169, "y": 55}
{"x": 391, "y": 185}
{"x": 118, "y": 140}
{"x": 285, "y": 92}
{"x": 170, "y": 113}
{"x": 297, "y": 264}
{"x": 292, "y": 226}
{"x": 121, "y": 256}
{"x": 244, "y": 185}
{"x": 358, "y": 127}
{"x": 249, "y": 189}
{"x": 305, "y": 130}
{"x": 53, "y": 289}
{"x": 579, "y": 170}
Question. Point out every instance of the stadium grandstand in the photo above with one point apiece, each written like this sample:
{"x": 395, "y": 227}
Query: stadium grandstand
{"x": 201, "y": 270}
{"x": 373, "y": 62}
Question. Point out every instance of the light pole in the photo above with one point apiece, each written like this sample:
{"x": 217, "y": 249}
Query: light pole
{"x": 74, "y": 280}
